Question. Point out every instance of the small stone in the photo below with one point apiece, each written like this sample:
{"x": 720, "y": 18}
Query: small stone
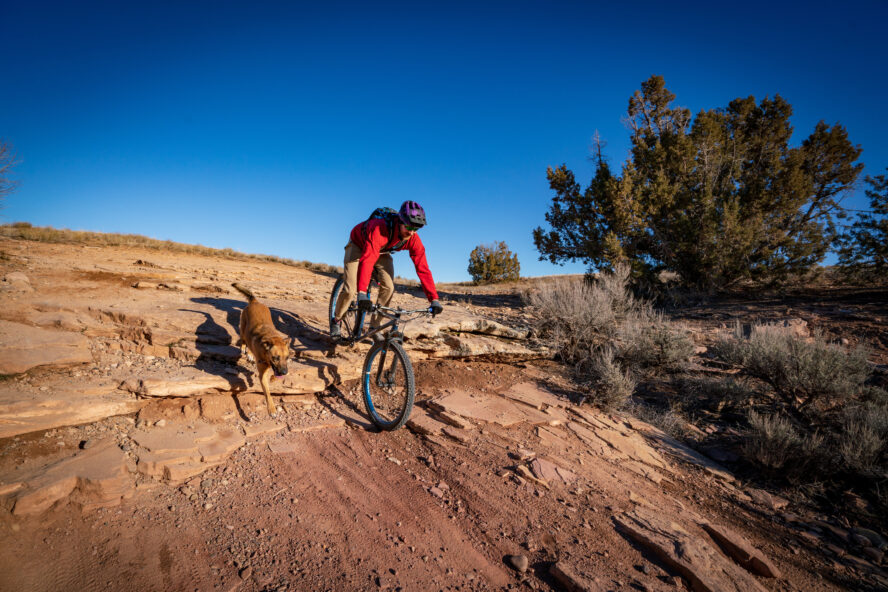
{"x": 245, "y": 572}
{"x": 160, "y": 423}
{"x": 436, "y": 492}
{"x": 859, "y": 539}
{"x": 874, "y": 555}
{"x": 394, "y": 460}
{"x": 519, "y": 562}
{"x": 87, "y": 444}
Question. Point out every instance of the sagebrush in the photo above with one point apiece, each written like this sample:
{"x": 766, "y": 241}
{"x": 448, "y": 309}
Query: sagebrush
{"x": 607, "y": 335}
{"x": 802, "y": 372}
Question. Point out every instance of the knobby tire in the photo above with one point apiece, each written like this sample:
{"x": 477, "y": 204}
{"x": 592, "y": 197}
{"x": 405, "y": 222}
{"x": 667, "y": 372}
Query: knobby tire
{"x": 388, "y": 404}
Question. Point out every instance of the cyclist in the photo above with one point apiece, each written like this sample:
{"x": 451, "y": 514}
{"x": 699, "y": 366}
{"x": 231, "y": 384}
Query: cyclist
{"x": 370, "y": 246}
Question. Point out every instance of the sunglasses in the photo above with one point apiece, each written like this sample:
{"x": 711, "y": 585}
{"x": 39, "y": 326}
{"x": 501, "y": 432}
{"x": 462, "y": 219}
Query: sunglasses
{"x": 412, "y": 228}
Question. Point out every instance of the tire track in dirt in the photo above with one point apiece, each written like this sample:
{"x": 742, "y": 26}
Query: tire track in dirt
{"x": 374, "y": 512}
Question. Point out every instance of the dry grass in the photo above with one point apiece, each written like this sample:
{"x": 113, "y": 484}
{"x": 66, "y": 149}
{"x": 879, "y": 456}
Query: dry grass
{"x": 46, "y": 234}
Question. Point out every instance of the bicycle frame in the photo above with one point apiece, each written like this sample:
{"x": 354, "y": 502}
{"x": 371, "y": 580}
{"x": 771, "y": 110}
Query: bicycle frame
{"x": 392, "y": 313}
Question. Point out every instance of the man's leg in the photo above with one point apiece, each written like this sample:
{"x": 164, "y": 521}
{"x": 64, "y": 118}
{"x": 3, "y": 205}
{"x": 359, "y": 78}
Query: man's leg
{"x": 350, "y": 286}
{"x": 385, "y": 274}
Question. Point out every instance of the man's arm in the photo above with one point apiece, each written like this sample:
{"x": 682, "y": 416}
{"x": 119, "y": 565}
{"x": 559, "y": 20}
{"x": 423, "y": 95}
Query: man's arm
{"x": 417, "y": 254}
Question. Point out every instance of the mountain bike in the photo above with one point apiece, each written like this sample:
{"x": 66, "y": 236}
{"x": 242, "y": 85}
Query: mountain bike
{"x": 387, "y": 380}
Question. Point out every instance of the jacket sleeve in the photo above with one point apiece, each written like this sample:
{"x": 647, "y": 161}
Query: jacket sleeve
{"x": 417, "y": 253}
{"x": 373, "y": 244}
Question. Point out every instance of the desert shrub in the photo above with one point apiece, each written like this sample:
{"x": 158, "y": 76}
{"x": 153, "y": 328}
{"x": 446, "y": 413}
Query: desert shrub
{"x": 715, "y": 393}
{"x": 863, "y": 441}
{"x": 800, "y": 372}
{"x": 650, "y": 342}
{"x": 489, "y": 264}
{"x": 612, "y": 384}
{"x": 773, "y": 442}
{"x": 669, "y": 420}
{"x": 606, "y": 334}
{"x": 578, "y": 318}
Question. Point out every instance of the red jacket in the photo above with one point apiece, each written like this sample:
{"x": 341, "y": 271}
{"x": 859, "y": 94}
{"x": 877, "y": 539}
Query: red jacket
{"x": 376, "y": 240}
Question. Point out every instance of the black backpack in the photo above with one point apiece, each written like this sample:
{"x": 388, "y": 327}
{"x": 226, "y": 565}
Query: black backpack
{"x": 391, "y": 217}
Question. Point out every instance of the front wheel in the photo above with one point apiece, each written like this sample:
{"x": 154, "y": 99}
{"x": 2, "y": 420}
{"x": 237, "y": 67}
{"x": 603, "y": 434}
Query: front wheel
{"x": 388, "y": 385}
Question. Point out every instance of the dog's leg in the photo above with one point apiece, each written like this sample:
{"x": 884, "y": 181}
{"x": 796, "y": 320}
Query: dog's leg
{"x": 265, "y": 379}
{"x": 243, "y": 348}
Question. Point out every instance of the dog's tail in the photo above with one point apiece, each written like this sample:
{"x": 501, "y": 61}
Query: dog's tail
{"x": 244, "y": 291}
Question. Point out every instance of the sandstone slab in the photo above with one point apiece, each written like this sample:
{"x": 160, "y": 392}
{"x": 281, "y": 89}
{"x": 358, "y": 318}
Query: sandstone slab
{"x": 548, "y": 471}
{"x": 62, "y": 403}
{"x": 685, "y": 453}
{"x": 570, "y": 578}
{"x": 23, "y": 347}
{"x": 218, "y": 449}
{"x": 488, "y": 409}
{"x": 173, "y": 438}
{"x": 421, "y": 422}
{"x": 533, "y": 396}
{"x": 92, "y": 478}
{"x": 697, "y": 561}
{"x": 741, "y": 550}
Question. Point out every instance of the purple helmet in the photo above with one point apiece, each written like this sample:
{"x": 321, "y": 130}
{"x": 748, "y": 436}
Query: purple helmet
{"x": 412, "y": 214}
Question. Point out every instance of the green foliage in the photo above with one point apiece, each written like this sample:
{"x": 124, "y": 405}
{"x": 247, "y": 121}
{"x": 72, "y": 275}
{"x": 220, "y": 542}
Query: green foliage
{"x": 716, "y": 199}
{"x": 863, "y": 249}
{"x": 489, "y": 264}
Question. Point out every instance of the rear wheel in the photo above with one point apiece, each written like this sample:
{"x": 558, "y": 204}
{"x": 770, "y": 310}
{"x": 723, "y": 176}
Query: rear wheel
{"x": 388, "y": 385}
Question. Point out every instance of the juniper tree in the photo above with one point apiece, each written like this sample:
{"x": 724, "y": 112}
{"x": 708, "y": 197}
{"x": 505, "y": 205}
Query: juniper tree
{"x": 863, "y": 248}
{"x": 716, "y": 198}
{"x": 493, "y": 263}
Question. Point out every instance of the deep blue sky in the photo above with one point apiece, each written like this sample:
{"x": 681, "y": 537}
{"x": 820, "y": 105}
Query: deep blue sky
{"x": 275, "y": 127}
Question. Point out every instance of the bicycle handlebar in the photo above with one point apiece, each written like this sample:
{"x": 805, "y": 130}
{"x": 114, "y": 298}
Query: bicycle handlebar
{"x": 401, "y": 311}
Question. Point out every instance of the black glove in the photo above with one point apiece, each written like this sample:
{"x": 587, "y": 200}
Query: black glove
{"x": 364, "y": 302}
{"x": 436, "y": 308}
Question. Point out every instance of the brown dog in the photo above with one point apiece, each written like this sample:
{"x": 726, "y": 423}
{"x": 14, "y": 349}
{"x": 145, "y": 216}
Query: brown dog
{"x": 261, "y": 341}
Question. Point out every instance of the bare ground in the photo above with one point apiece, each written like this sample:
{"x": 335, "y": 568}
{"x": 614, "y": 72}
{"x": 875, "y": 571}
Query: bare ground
{"x": 349, "y": 508}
